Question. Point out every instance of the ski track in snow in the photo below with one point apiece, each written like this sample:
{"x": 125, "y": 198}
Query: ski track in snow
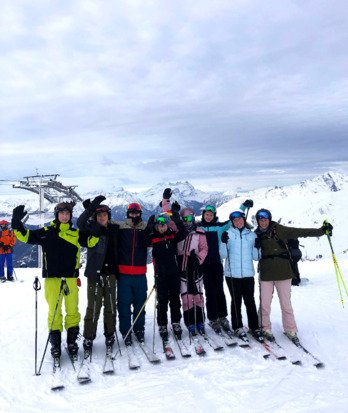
{"x": 235, "y": 379}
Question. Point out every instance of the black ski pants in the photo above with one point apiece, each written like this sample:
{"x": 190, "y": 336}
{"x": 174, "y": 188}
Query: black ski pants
{"x": 168, "y": 292}
{"x": 213, "y": 280}
{"x": 242, "y": 289}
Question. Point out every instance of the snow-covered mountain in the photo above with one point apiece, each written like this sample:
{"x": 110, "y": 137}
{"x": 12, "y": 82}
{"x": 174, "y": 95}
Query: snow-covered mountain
{"x": 306, "y": 204}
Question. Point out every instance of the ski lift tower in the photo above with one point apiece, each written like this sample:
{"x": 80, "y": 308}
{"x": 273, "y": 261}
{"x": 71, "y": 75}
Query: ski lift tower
{"x": 47, "y": 187}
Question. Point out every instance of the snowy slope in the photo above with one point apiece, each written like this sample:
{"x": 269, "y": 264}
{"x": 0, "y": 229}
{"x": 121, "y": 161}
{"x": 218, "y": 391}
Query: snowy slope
{"x": 234, "y": 380}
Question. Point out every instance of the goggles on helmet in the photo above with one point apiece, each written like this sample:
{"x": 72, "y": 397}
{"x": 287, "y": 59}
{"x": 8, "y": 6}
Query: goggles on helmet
{"x": 210, "y": 208}
{"x": 102, "y": 208}
{"x": 161, "y": 220}
{"x": 236, "y": 215}
{"x": 188, "y": 218}
{"x": 263, "y": 215}
{"x": 134, "y": 206}
{"x": 64, "y": 206}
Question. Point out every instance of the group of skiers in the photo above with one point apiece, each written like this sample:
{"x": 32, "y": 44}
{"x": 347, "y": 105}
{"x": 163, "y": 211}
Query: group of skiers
{"x": 188, "y": 260}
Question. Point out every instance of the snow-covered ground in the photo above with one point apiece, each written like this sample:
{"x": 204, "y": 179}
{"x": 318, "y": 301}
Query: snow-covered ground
{"x": 234, "y": 380}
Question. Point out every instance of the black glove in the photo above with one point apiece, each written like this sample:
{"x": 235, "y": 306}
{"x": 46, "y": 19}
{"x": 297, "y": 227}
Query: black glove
{"x": 150, "y": 223}
{"x": 194, "y": 260}
{"x": 17, "y": 215}
{"x": 175, "y": 217}
{"x": 224, "y": 237}
{"x": 175, "y": 206}
{"x": 6, "y": 247}
{"x": 249, "y": 203}
{"x": 167, "y": 193}
{"x": 257, "y": 243}
{"x": 97, "y": 201}
{"x": 86, "y": 203}
{"x": 327, "y": 228}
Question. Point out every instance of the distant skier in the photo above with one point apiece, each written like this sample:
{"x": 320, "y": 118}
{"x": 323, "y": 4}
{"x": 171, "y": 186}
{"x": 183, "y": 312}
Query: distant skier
{"x": 7, "y": 241}
{"x": 275, "y": 268}
{"x": 61, "y": 262}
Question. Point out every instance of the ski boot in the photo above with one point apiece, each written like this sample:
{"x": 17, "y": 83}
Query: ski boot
{"x": 55, "y": 340}
{"x": 177, "y": 330}
{"x": 139, "y": 334}
{"x": 163, "y": 332}
{"x": 87, "y": 347}
{"x": 201, "y": 328}
{"x": 128, "y": 340}
{"x": 216, "y": 326}
{"x": 225, "y": 324}
{"x": 73, "y": 348}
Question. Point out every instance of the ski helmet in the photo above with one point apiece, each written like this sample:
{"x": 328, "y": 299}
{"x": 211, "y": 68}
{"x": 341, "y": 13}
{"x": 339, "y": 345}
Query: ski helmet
{"x": 133, "y": 207}
{"x": 162, "y": 219}
{"x": 102, "y": 208}
{"x": 263, "y": 213}
{"x": 236, "y": 214}
{"x": 64, "y": 206}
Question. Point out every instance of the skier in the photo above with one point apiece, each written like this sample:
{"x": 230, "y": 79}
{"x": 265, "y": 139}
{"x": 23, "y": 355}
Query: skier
{"x": 191, "y": 254}
{"x": 239, "y": 273}
{"x": 275, "y": 268}
{"x": 61, "y": 261}
{"x": 164, "y": 241}
{"x": 101, "y": 240}
{"x": 7, "y": 241}
{"x": 132, "y": 282}
{"x": 212, "y": 269}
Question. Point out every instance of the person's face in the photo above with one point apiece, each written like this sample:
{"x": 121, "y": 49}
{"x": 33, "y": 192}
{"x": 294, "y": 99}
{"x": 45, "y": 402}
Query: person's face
{"x": 64, "y": 217}
{"x": 102, "y": 218}
{"x": 238, "y": 222}
{"x": 134, "y": 214}
{"x": 208, "y": 216}
{"x": 162, "y": 228}
{"x": 263, "y": 223}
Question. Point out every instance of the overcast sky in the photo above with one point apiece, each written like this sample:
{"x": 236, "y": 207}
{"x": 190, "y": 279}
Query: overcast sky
{"x": 223, "y": 93}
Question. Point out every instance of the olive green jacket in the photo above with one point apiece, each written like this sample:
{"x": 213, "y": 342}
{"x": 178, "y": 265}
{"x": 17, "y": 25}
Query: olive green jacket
{"x": 274, "y": 264}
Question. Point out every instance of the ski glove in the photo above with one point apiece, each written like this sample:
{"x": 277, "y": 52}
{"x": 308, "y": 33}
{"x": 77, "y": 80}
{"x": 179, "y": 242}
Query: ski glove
{"x": 224, "y": 237}
{"x": 17, "y": 215}
{"x": 249, "y": 203}
{"x": 327, "y": 228}
{"x": 86, "y": 203}
{"x": 175, "y": 206}
{"x": 167, "y": 193}
{"x": 175, "y": 217}
{"x": 97, "y": 201}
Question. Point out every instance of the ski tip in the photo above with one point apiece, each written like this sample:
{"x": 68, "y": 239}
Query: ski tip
{"x": 297, "y": 363}
{"x": 319, "y": 365}
{"x": 84, "y": 381}
{"x": 57, "y": 388}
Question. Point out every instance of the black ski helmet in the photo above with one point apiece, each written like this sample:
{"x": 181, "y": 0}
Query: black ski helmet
{"x": 263, "y": 213}
{"x": 102, "y": 208}
{"x": 64, "y": 206}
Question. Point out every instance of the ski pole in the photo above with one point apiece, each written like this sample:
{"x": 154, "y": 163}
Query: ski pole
{"x": 61, "y": 289}
{"x": 154, "y": 315}
{"x": 37, "y": 287}
{"x": 138, "y": 315}
{"x": 339, "y": 276}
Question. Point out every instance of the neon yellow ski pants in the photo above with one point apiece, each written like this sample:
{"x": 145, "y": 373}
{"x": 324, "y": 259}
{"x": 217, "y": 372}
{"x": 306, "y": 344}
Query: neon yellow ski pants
{"x": 71, "y": 301}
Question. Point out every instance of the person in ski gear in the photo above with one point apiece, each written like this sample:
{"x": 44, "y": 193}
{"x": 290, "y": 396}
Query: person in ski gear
{"x": 132, "y": 267}
{"x": 164, "y": 242}
{"x": 275, "y": 268}
{"x": 192, "y": 252}
{"x": 60, "y": 244}
{"x": 7, "y": 241}
{"x": 101, "y": 240}
{"x": 212, "y": 269}
{"x": 239, "y": 274}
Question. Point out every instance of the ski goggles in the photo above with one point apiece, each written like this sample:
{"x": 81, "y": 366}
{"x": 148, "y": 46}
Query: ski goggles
{"x": 188, "y": 218}
{"x": 236, "y": 215}
{"x": 64, "y": 208}
{"x": 102, "y": 208}
{"x": 134, "y": 207}
{"x": 210, "y": 208}
{"x": 161, "y": 221}
{"x": 263, "y": 215}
